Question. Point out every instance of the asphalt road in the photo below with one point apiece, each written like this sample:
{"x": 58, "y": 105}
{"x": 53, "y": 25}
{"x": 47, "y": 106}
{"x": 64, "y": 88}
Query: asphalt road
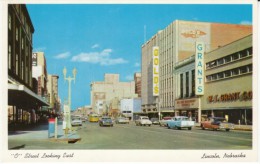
{"x": 130, "y": 136}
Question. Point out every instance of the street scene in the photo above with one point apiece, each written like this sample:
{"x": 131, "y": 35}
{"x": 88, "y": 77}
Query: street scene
{"x": 129, "y": 136}
{"x": 122, "y": 76}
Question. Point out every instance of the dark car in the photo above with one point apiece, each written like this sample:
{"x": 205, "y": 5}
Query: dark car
{"x": 105, "y": 121}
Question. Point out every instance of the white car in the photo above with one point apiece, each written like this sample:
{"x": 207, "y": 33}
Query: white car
{"x": 143, "y": 121}
{"x": 76, "y": 121}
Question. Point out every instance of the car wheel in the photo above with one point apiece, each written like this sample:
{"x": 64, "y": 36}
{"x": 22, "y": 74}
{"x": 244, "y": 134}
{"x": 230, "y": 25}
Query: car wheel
{"x": 227, "y": 130}
{"x": 179, "y": 128}
{"x": 149, "y": 125}
{"x": 202, "y": 126}
{"x": 168, "y": 126}
{"x": 189, "y": 128}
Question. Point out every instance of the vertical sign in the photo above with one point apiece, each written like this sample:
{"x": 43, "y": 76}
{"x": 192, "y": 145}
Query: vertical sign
{"x": 156, "y": 71}
{"x": 199, "y": 68}
{"x": 34, "y": 59}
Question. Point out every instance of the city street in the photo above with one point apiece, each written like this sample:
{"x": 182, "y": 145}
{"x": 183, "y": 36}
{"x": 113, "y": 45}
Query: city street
{"x": 130, "y": 136}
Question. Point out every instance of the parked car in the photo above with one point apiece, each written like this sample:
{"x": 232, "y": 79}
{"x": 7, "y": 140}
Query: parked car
{"x": 143, "y": 121}
{"x": 155, "y": 121}
{"x": 76, "y": 121}
{"x": 105, "y": 121}
{"x": 163, "y": 122}
{"x": 216, "y": 123}
{"x": 180, "y": 122}
{"x": 122, "y": 120}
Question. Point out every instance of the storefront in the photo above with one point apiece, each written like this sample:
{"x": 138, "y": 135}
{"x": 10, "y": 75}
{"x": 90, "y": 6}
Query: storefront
{"x": 23, "y": 105}
{"x": 187, "y": 107}
{"x": 228, "y": 82}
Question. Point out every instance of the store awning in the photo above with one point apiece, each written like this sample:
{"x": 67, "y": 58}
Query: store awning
{"x": 21, "y": 96}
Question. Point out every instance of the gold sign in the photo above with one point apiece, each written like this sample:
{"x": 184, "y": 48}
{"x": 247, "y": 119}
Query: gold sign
{"x": 155, "y": 71}
{"x": 242, "y": 96}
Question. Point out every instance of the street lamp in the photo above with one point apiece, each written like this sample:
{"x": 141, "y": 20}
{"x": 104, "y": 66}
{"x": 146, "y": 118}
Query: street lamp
{"x": 69, "y": 79}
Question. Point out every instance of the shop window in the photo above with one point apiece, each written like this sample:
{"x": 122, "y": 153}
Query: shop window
{"x": 193, "y": 82}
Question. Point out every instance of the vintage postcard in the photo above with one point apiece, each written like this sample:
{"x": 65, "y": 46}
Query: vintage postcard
{"x": 122, "y": 81}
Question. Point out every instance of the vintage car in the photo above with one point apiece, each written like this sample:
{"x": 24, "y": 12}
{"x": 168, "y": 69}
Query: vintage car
{"x": 216, "y": 123}
{"x": 179, "y": 122}
{"x": 105, "y": 121}
{"x": 155, "y": 121}
{"x": 143, "y": 121}
{"x": 76, "y": 121}
{"x": 163, "y": 122}
{"x": 122, "y": 120}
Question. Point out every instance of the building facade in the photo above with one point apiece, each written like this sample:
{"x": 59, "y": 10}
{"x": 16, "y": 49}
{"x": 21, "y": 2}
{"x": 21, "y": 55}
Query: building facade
{"x": 130, "y": 107}
{"x": 106, "y": 95}
{"x": 137, "y": 79}
{"x": 228, "y": 82}
{"x": 39, "y": 72}
{"x": 52, "y": 87}
{"x": 23, "y": 102}
{"x": 177, "y": 43}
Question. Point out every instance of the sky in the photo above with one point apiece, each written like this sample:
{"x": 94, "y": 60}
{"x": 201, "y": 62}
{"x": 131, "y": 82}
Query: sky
{"x": 107, "y": 38}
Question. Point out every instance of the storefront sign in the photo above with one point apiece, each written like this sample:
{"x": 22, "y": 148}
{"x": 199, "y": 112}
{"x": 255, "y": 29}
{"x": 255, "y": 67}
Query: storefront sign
{"x": 199, "y": 69}
{"x": 155, "y": 71}
{"x": 242, "y": 96}
{"x": 187, "y": 103}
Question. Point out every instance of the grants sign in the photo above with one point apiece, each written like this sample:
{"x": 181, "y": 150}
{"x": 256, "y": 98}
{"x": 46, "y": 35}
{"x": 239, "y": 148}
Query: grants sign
{"x": 199, "y": 69}
{"x": 155, "y": 71}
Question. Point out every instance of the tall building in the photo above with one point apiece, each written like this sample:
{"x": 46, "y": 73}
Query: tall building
{"x": 177, "y": 43}
{"x": 23, "y": 102}
{"x": 52, "y": 87}
{"x": 106, "y": 95}
{"x": 137, "y": 79}
{"x": 39, "y": 72}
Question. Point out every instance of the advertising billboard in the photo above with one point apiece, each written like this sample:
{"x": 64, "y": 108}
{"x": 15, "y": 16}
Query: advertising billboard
{"x": 199, "y": 68}
{"x": 155, "y": 71}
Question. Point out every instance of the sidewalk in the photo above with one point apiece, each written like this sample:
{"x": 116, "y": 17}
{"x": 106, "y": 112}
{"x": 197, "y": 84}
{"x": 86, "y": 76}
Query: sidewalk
{"x": 40, "y": 132}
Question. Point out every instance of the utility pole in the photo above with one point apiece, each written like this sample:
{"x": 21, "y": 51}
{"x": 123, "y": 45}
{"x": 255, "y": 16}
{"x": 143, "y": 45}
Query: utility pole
{"x": 69, "y": 79}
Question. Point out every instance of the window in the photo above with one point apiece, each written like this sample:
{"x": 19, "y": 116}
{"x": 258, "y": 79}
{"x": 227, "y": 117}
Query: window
{"x": 220, "y": 61}
{"x": 16, "y": 34}
{"x": 227, "y": 73}
{"x": 235, "y": 56}
{"x": 187, "y": 84}
{"x": 16, "y": 64}
{"x": 208, "y": 78}
{"x": 9, "y": 56}
{"x": 22, "y": 70}
{"x": 227, "y": 58}
{"x": 243, "y": 69}
{"x": 250, "y": 51}
{"x": 214, "y": 77}
{"x": 9, "y": 22}
{"x": 22, "y": 43}
{"x": 235, "y": 72}
{"x": 220, "y": 75}
{"x": 250, "y": 68}
{"x": 193, "y": 82}
{"x": 181, "y": 81}
{"x": 243, "y": 53}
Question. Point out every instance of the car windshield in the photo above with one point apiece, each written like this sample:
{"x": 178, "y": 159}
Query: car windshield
{"x": 145, "y": 118}
{"x": 76, "y": 119}
{"x": 167, "y": 118}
